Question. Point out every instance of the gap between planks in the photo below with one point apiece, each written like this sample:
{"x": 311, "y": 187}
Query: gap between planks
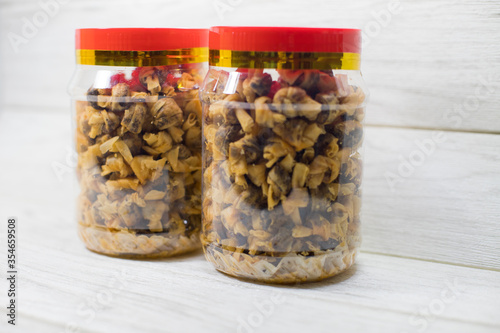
{"x": 424, "y": 128}
{"x": 431, "y": 261}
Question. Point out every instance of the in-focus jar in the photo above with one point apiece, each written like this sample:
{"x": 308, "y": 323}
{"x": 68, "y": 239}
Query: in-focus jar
{"x": 137, "y": 125}
{"x": 283, "y": 112}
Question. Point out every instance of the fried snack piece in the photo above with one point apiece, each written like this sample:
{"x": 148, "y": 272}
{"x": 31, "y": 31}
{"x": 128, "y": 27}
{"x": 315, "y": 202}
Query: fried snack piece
{"x": 256, "y": 85}
{"x": 264, "y": 116}
{"x": 134, "y": 117}
{"x": 119, "y": 95}
{"x": 294, "y": 102}
{"x": 166, "y": 113}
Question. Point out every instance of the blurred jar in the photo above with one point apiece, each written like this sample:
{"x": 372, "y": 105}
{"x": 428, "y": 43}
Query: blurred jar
{"x": 282, "y": 131}
{"x": 137, "y": 124}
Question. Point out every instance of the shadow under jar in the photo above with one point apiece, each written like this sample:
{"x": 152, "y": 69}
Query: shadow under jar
{"x": 282, "y": 130}
{"x": 137, "y": 126}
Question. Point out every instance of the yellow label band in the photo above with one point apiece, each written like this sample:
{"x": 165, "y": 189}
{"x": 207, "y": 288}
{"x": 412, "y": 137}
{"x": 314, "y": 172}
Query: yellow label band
{"x": 285, "y": 60}
{"x": 142, "y": 58}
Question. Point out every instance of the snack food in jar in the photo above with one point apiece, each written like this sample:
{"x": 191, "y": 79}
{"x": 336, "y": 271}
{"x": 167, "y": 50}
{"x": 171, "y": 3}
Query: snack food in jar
{"x": 283, "y": 112}
{"x": 137, "y": 127}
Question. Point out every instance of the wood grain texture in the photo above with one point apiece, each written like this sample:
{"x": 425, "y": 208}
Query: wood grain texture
{"x": 422, "y": 65}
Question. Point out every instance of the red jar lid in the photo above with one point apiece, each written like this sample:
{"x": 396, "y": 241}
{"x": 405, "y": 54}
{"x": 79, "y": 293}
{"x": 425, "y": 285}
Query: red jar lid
{"x": 141, "y": 46}
{"x": 285, "y": 39}
{"x": 140, "y": 39}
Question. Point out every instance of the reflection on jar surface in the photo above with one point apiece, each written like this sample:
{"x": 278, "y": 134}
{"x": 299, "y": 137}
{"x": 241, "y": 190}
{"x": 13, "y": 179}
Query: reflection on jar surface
{"x": 138, "y": 138}
{"x": 282, "y": 133}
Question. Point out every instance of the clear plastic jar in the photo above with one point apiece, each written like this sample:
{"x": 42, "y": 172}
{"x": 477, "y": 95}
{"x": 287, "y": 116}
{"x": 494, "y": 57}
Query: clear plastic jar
{"x": 137, "y": 123}
{"x": 282, "y": 130}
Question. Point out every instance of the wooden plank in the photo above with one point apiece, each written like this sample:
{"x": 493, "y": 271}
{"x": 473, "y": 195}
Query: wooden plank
{"x": 447, "y": 210}
{"x": 444, "y": 206}
{"x": 425, "y": 68}
{"x": 427, "y": 60}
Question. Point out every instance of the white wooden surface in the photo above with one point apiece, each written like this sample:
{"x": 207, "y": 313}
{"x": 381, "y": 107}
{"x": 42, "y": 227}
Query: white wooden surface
{"x": 436, "y": 225}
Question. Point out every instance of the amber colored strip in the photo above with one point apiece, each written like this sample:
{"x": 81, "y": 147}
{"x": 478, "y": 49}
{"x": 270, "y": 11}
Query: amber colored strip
{"x": 285, "y": 60}
{"x": 142, "y": 58}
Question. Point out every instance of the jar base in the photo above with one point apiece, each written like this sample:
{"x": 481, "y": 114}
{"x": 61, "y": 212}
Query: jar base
{"x": 289, "y": 269}
{"x": 129, "y": 245}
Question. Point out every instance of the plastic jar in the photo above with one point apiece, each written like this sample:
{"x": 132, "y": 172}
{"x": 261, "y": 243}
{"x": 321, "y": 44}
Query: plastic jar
{"x": 282, "y": 131}
{"x": 137, "y": 124}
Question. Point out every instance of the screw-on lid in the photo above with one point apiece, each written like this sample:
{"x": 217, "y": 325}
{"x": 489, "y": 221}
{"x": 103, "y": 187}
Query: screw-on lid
{"x": 284, "y": 39}
{"x": 285, "y": 48}
{"x": 140, "y": 39}
{"x": 141, "y": 46}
